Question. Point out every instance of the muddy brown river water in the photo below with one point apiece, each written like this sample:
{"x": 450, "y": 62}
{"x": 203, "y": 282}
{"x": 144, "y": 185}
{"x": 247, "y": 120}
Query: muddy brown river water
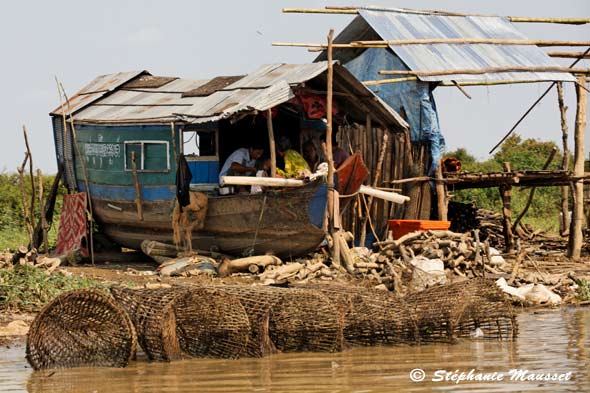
{"x": 550, "y": 341}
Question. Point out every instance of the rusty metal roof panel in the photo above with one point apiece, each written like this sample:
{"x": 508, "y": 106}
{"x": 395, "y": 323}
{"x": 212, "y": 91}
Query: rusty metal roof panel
{"x": 269, "y": 74}
{"x": 96, "y": 89}
{"x": 224, "y": 104}
{"x": 434, "y": 57}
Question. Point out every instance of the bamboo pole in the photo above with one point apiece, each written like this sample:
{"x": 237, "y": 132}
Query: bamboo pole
{"x": 570, "y": 55}
{"x": 61, "y": 91}
{"x": 375, "y": 184}
{"x": 565, "y": 162}
{"x": 431, "y": 41}
{"x": 30, "y": 174}
{"x": 447, "y": 84}
{"x": 271, "y": 142}
{"x": 576, "y": 236}
{"x": 42, "y": 211}
{"x": 470, "y": 40}
{"x": 355, "y": 10}
{"x": 138, "y": 201}
{"x": 532, "y": 191}
{"x": 489, "y": 70}
{"x": 329, "y": 154}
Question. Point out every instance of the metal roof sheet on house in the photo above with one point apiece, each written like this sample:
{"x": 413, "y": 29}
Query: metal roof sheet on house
{"x": 394, "y": 25}
{"x": 266, "y": 87}
{"x": 96, "y": 89}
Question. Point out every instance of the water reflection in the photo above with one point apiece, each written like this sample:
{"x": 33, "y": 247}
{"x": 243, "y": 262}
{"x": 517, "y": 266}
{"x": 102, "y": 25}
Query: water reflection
{"x": 549, "y": 341}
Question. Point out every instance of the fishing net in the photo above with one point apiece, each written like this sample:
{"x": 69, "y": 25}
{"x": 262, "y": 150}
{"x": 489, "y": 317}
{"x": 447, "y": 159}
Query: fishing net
{"x": 151, "y": 311}
{"x": 81, "y": 328}
{"x": 211, "y": 323}
{"x": 305, "y": 320}
{"x": 446, "y": 312}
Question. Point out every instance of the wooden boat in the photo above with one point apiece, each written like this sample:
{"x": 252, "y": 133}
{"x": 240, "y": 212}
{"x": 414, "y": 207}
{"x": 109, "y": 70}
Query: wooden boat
{"x": 155, "y": 119}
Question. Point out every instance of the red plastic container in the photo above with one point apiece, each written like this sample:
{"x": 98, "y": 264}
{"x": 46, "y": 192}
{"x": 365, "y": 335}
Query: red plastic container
{"x": 401, "y": 227}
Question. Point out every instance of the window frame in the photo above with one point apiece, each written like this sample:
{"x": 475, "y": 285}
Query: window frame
{"x": 142, "y": 143}
{"x": 201, "y": 158}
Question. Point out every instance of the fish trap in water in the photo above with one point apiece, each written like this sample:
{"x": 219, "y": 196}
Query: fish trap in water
{"x": 371, "y": 317}
{"x": 305, "y": 320}
{"x": 211, "y": 323}
{"x": 81, "y": 328}
{"x": 444, "y": 313}
{"x": 151, "y": 311}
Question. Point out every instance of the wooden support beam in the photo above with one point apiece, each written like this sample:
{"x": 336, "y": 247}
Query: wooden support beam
{"x": 564, "y": 21}
{"x": 565, "y": 163}
{"x": 489, "y": 70}
{"x": 569, "y": 55}
{"x": 441, "y": 194}
{"x": 271, "y": 142}
{"x": 506, "y": 195}
{"x": 447, "y": 84}
{"x": 138, "y": 201}
{"x": 576, "y": 236}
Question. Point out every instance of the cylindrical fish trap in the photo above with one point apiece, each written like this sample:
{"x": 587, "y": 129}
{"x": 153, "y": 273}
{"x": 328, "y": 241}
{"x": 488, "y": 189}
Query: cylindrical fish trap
{"x": 305, "y": 320}
{"x": 372, "y": 317}
{"x": 152, "y": 313}
{"x": 257, "y": 302}
{"x": 211, "y": 323}
{"x": 81, "y": 328}
{"x": 446, "y": 312}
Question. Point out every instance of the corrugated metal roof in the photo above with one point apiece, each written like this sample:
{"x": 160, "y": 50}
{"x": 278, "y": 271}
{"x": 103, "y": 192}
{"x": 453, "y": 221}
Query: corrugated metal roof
{"x": 96, "y": 89}
{"x": 434, "y": 57}
{"x": 266, "y": 87}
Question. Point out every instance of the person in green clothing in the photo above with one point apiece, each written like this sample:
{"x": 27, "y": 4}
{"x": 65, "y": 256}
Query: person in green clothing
{"x": 290, "y": 163}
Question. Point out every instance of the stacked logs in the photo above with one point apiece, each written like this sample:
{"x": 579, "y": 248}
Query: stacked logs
{"x": 463, "y": 254}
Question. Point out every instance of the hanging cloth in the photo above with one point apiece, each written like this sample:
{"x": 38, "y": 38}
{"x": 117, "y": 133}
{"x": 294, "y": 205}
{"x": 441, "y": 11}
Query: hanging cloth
{"x": 183, "y": 181}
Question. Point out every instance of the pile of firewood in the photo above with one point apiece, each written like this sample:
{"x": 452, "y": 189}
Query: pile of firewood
{"x": 463, "y": 254}
{"x": 31, "y": 257}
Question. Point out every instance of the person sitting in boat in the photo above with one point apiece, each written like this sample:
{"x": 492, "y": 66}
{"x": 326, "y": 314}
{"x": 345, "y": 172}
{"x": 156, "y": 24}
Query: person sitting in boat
{"x": 338, "y": 154}
{"x": 290, "y": 163}
{"x": 310, "y": 153}
{"x": 242, "y": 162}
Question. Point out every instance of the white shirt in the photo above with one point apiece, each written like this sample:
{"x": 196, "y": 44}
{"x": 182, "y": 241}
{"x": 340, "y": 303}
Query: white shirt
{"x": 241, "y": 156}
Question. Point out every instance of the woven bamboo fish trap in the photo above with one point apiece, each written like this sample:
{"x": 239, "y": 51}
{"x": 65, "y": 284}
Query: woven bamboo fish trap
{"x": 447, "y": 312}
{"x": 372, "y": 317}
{"x": 257, "y": 302}
{"x": 151, "y": 311}
{"x": 81, "y": 328}
{"x": 305, "y": 320}
{"x": 211, "y": 323}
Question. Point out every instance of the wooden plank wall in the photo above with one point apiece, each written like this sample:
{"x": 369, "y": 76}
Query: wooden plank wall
{"x": 397, "y": 164}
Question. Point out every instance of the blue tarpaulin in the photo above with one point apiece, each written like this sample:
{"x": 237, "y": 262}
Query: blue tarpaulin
{"x": 414, "y": 98}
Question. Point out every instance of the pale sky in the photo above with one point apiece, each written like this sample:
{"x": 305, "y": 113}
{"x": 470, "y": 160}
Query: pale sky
{"x": 77, "y": 41}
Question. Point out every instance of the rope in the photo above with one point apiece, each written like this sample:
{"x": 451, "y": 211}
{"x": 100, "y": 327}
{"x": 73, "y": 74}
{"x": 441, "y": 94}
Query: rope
{"x": 251, "y": 251}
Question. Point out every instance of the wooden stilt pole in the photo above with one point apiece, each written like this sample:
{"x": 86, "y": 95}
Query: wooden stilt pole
{"x": 138, "y": 201}
{"x": 271, "y": 143}
{"x": 565, "y": 163}
{"x": 575, "y": 239}
{"x": 441, "y": 194}
{"x": 173, "y": 135}
{"x": 506, "y": 194}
